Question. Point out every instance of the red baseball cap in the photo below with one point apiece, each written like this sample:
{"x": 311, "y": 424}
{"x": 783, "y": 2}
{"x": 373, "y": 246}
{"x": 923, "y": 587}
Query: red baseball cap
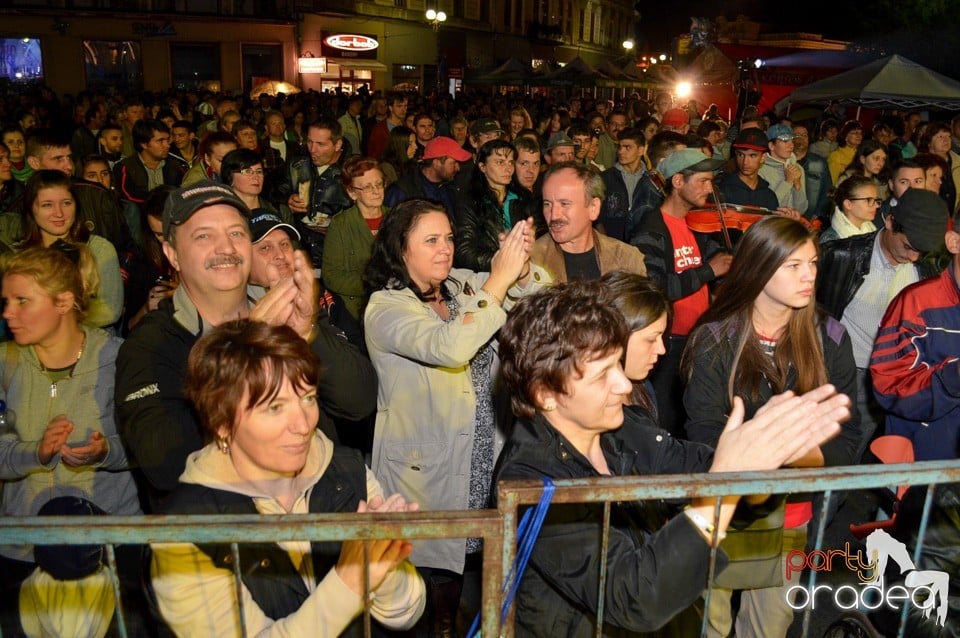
{"x": 675, "y": 117}
{"x": 445, "y": 147}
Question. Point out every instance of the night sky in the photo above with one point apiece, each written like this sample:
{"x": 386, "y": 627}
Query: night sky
{"x": 924, "y": 31}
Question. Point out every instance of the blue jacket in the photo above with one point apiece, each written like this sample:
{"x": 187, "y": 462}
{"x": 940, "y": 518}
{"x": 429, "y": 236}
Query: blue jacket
{"x": 915, "y": 369}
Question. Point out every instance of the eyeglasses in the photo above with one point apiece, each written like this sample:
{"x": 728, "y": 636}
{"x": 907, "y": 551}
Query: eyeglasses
{"x": 871, "y": 201}
{"x": 370, "y": 188}
{"x": 250, "y": 172}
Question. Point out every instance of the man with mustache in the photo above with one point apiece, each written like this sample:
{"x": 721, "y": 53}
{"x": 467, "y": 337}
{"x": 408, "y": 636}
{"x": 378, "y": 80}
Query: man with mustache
{"x": 572, "y": 197}
{"x": 207, "y": 239}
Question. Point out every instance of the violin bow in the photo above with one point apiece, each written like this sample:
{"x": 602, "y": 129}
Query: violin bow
{"x": 721, "y": 206}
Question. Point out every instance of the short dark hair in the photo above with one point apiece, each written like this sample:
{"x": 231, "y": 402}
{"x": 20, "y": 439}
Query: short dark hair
{"x": 707, "y": 127}
{"x": 237, "y": 160}
{"x": 634, "y": 133}
{"x": 41, "y": 138}
{"x": 526, "y": 144}
{"x": 329, "y": 124}
{"x": 662, "y": 143}
{"x": 187, "y": 124}
{"x": 241, "y": 357}
{"x": 549, "y": 335}
{"x": 143, "y": 131}
{"x": 421, "y": 116}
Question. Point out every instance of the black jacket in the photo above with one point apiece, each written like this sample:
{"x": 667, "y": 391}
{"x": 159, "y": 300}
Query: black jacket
{"x": 653, "y": 574}
{"x": 479, "y": 224}
{"x": 654, "y": 241}
{"x": 99, "y": 211}
{"x": 158, "y": 424}
{"x": 130, "y": 177}
{"x": 620, "y": 214}
{"x": 843, "y": 265}
{"x": 267, "y": 572}
{"x": 733, "y": 190}
{"x": 706, "y": 398}
{"x": 327, "y": 196}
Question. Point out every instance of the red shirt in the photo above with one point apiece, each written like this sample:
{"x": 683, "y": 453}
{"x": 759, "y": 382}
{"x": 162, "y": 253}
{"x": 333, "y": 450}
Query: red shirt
{"x": 686, "y": 255}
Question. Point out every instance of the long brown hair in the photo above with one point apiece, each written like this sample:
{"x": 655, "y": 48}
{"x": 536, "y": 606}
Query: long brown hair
{"x": 763, "y": 249}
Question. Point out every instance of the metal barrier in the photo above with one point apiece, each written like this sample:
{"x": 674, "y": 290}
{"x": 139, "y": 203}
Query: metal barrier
{"x": 491, "y": 525}
{"x": 121, "y": 530}
{"x": 514, "y": 494}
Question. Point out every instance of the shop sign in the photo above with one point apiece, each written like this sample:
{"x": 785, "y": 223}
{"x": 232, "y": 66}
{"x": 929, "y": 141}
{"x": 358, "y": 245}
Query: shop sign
{"x": 312, "y": 65}
{"x": 351, "y": 42}
{"x": 349, "y": 45}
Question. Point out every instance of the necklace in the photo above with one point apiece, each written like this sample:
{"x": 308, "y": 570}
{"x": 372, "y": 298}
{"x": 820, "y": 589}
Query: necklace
{"x": 83, "y": 343}
{"x": 69, "y": 369}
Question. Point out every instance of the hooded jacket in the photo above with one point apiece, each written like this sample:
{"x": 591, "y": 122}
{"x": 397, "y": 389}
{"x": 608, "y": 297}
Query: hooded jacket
{"x": 290, "y": 588}
{"x": 86, "y": 398}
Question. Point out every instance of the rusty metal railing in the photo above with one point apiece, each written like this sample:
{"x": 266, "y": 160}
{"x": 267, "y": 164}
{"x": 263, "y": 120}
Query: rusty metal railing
{"x": 124, "y": 530}
{"x": 513, "y": 495}
{"x": 497, "y": 528}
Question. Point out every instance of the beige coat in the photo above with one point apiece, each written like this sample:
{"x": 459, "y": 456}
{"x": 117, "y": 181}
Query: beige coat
{"x": 423, "y": 442}
{"x": 612, "y": 255}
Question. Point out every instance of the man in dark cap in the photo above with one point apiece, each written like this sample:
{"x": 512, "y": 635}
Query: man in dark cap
{"x": 860, "y": 275}
{"x": 914, "y": 368}
{"x": 207, "y": 240}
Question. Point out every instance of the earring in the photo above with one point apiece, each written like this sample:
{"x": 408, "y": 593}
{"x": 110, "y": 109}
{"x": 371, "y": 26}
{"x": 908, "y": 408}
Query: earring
{"x": 223, "y": 444}
{"x": 550, "y": 406}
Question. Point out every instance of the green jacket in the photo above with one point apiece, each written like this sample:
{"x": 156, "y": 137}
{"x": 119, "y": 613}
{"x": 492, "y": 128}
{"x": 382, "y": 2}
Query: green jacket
{"x": 346, "y": 252}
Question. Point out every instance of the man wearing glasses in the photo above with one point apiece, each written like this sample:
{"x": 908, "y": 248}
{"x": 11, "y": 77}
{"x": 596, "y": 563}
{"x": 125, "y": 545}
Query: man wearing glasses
{"x": 860, "y": 275}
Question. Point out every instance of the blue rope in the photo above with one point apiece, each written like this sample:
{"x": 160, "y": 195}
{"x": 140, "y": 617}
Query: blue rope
{"x": 527, "y": 533}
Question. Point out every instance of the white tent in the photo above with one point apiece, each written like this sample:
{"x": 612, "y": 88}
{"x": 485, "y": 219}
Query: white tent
{"x": 891, "y": 82}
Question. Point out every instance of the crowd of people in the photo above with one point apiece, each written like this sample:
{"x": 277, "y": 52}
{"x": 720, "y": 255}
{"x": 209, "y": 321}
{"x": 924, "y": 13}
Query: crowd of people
{"x": 385, "y": 303}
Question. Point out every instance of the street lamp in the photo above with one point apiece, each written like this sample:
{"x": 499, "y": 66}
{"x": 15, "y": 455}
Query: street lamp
{"x": 435, "y": 18}
{"x": 628, "y": 44}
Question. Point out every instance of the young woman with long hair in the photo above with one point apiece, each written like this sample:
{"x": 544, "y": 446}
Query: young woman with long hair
{"x": 763, "y": 335}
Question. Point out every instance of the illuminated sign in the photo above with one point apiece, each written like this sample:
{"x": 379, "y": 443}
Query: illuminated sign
{"x": 312, "y": 65}
{"x": 351, "y": 42}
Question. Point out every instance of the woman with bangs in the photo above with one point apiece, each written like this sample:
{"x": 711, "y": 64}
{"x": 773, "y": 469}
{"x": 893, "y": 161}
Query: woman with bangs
{"x": 763, "y": 335}
{"x": 561, "y": 352}
{"x": 49, "y": 214}
{"x": 254, "y": 387}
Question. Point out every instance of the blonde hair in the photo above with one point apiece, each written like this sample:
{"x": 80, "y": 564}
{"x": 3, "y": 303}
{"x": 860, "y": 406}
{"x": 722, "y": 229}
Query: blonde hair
{"x": 59, "y": 268}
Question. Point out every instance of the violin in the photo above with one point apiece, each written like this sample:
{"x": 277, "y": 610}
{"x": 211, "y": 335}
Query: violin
{"x": 720, "y": 219}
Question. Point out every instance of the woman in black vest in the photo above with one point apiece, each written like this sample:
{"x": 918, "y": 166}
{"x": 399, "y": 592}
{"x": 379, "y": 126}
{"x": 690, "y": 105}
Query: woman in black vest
{"x": 255, "y": 390}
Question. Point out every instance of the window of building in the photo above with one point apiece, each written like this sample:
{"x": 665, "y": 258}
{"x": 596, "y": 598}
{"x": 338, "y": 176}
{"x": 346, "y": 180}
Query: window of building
{"x": 114, "y": 64}
{"x": 20, "y": 59}
{"x": 262, "y": 61}
{"x": 195, "y": 66}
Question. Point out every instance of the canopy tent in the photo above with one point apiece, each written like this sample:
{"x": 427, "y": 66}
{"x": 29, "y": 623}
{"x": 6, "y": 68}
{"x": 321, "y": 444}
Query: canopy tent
{"x": 513, "y": 72}
{"x": 892, "y": 82}
{"x": 577, "y": 72}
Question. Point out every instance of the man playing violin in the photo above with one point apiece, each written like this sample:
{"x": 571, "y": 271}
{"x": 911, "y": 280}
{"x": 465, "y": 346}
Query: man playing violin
{"x": 683, "y": 263}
